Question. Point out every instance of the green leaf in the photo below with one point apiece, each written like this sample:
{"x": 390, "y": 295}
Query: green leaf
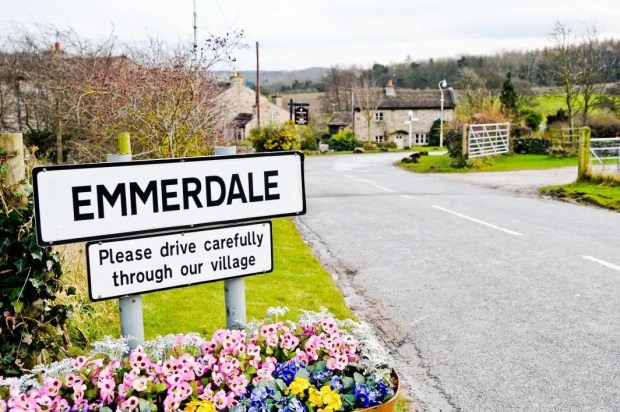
{"x": 321, "y": 366}
{"x": 37, "y": 254}
{"x": 18, "y": 306}
{"x": 347, "y": 383}
{"x": 281, "y": 385}
{"x": 348, "y": 399}
{"x": 302, "y": 373}
{"x": 71, "y": 291}
{"x": 359, "y": 378}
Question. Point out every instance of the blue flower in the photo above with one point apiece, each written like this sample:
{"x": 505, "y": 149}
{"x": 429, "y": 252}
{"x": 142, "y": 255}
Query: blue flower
{"x": 258, "y": 394}
{"x": 336, "y": 383}
{"x": 363, "y": 399}
{"x": 287, "y": 371}
{"x": 360, "y": 389}
{"x": 294, "y": 406}
{"x": 321, "y": 376}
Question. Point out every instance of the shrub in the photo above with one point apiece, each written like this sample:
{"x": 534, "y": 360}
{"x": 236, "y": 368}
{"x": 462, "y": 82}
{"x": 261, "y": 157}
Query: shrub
{"x": 604, "y": 124}
{"x": 434, "y": 133}
{"x": 559, "y": 117}
{"x": 370, "y": 146}
{"x": 453, "y": 140}
{"x": 531, "y": 117}
{"x": 344, "y": 141}
{"x": 275, "y": 137}
{"x": 33, "y": 324}
{"x": 387, "y": 145}
{"x": 532, "y": 145}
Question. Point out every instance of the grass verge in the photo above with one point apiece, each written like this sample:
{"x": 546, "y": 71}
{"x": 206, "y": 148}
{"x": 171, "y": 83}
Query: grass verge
{"x": 297, "y": 282}
{"x": 605, "y": 194}
{"x": 441, "y": 164}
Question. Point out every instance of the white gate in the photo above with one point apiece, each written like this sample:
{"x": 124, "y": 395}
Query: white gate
{"x": 488, "y": 139}
{"x": 605, "y": 153}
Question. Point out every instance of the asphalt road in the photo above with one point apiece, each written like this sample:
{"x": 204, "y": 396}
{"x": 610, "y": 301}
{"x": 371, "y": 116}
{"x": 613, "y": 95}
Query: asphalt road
{"x": 490, "y": 300}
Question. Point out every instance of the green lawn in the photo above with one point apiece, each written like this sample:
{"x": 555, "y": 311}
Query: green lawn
{"x": 441, "y": 164}
{"x": 297, "y": 282}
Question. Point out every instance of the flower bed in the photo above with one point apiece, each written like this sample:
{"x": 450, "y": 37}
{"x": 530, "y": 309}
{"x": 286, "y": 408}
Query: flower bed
{"x": 317, "y": 364}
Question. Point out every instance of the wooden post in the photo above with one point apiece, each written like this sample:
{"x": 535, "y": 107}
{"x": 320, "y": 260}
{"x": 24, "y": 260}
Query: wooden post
{"x": 583, "y": 165}
{"x": 464, "y": 147}
{"x": 12, "y": 144}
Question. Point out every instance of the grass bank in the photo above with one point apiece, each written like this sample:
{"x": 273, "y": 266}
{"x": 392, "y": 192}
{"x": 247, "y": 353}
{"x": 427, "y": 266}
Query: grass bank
{"x": 297, "y": 282}
{"x": 605, "y": 193}
{"x": 441, "y": 164}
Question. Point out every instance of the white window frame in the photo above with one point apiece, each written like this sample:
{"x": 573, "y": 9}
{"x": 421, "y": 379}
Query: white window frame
{"x": 273, "y": 116}
{"x": 436, "y": 115}
{"x": 378, "y": 116}
{"x": 379, "y": 139}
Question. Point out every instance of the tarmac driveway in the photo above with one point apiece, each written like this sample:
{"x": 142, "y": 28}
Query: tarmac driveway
{"x": 524, "y": 182}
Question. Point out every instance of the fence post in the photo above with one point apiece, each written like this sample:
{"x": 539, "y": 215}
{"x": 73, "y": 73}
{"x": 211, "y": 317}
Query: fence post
{"x": 464, "y": 142}
{"x": 132, "y": 322}
{"x": 13, "y": 146}
{"x": 583, "y": 163}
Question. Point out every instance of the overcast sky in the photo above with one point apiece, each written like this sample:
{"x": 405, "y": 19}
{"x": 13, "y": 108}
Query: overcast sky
{"x": 308, "y": 33}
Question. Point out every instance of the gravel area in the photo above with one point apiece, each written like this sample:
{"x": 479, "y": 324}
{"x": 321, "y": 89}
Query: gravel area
{"x": 524, "y": 182}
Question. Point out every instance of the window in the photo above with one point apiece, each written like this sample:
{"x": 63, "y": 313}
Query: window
{"x": 412, "y": 115}
{"x": 421, "y": 139}
{"x": 436, "y": 115}
{"x": 378, "y": 116}
{"x": 273, "y": 116}
{"x": 379, "y": 139}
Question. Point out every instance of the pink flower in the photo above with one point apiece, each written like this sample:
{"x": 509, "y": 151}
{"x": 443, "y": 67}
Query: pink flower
{"x": 220, "y": 400}
{"x": 132, "y": 403}
{"x": 139, "y": 384}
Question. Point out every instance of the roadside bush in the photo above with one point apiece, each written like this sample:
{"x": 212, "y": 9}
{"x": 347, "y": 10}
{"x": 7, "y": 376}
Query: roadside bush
{"x": 370, "y": 146}
{"x": 453, "y": 140}
{"x": 559, "y": 117}
{"x": 309, "y": 139}
{"x": 387, "y": 145}
{"x": 275, "y": 138}
{"x": 32, "y": 328}
{"x": 531, "y": 117}
{"x": 344, "y": 141}
{"x": 562, "y": 151}
{"x": 434, "y": 133}
{"x": 604, "y": 124}
{"x": 532, "y": 145}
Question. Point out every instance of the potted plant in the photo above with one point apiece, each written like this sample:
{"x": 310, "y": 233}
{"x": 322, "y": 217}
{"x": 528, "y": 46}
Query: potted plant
{"x": 318, "y": 364}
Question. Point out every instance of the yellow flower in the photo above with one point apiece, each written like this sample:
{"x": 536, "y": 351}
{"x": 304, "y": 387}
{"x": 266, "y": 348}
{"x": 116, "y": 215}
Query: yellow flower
{"x": 200, "y": 406}
{"x": 299, "y": 385}
{"x": 315, "y": 398}
{"x": 331, "y": 398}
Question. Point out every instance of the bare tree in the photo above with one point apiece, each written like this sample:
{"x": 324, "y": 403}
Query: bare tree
{"x": 565, "y": 67}
{"x": 368, "y": 96}
{"x": 338, "y": 85}
{"x": 594, "y": 62}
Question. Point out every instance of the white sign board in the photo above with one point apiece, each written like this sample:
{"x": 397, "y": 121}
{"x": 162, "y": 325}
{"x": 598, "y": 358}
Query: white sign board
{"x": 132, "y": 266}
{"x": 108, "y": 200}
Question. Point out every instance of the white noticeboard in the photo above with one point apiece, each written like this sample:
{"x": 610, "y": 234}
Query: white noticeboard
{"x": 133, "y": 266}
{"x": 76, "y": 203}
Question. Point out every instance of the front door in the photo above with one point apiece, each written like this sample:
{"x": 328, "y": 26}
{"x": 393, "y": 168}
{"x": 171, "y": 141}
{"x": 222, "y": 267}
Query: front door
{"x": 399, "y": 141}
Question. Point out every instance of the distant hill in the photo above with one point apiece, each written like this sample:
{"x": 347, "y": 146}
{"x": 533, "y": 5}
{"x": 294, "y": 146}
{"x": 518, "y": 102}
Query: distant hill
{"x": 269, "y": 77}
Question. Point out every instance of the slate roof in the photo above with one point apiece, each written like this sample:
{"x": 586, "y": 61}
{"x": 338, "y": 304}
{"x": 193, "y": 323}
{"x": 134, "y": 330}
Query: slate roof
{"x": 419, "y": 99}
{"x": 341, "y": 119}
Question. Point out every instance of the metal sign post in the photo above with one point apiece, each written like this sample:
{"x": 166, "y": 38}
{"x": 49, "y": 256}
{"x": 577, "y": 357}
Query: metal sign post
{"x": 234, "y": 289}
{"x": 130, "y": 307}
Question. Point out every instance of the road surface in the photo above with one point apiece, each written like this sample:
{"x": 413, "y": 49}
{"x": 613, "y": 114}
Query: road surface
{"x": 490, "y": 300}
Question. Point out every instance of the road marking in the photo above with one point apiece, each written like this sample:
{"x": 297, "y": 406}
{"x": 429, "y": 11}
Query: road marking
{"x": 383, "y": 188}
{"x": 407, "y": 197}
{"x": 510, "y": 232}
{"x": 602, "y": 262}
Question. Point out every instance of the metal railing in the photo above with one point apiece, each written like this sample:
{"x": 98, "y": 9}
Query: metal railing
{"x": 488, "y": 139}
{"x": 605, "y": 153}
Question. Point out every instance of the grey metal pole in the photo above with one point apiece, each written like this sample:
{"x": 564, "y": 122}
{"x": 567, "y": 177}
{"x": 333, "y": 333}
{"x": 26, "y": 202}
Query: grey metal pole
{"x": 234, "y": 289}
{"x": 132, "y": 322}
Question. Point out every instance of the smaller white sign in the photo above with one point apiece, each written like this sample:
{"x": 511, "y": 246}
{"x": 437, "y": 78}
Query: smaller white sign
{"x": 134, "y": 266}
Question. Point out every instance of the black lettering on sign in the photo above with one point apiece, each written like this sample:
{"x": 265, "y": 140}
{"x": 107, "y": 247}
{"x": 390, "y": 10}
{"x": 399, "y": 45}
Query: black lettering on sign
{"x": 77, "y": 203}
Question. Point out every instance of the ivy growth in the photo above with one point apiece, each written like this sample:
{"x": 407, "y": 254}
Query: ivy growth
{"x": 32, "y": 326}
